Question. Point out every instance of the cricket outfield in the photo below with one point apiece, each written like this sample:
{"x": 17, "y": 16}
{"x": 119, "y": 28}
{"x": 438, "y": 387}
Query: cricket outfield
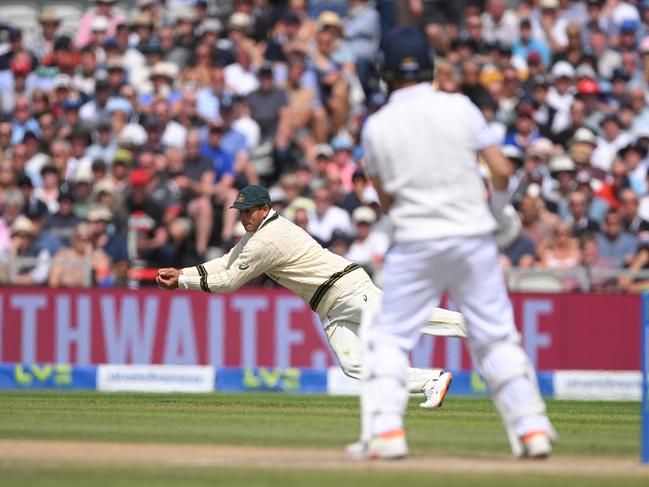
{"x": 69, "y": 439}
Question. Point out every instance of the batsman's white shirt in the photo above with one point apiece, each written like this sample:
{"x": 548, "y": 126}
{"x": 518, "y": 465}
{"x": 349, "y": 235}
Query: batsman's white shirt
{"x": 429, "y": 165}
{"x": 289, "y": 256}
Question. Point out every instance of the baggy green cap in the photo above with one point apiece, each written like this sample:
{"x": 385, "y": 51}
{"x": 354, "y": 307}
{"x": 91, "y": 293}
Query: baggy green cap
{"x": 251, "y": 196}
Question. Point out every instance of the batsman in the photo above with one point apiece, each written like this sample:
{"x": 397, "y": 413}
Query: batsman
{"x": 339, "y": 291}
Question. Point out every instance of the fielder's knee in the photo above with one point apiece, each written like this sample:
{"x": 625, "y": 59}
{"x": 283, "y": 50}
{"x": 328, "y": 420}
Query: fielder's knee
{"x": 351, "y": 368}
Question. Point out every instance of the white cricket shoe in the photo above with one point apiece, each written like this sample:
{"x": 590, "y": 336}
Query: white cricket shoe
{"x": 388, "y": 446}
{"x": 537, "y": 444}
{"x": 436, "y": 391}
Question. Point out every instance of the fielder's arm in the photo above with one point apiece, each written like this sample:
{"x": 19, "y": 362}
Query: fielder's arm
{"x": 255, "y": 258}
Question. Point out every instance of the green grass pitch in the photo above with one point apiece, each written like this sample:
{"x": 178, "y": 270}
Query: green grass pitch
{"x": 465, "y": 428}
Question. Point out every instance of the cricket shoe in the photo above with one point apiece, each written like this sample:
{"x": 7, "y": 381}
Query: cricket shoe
{"x": 536, "y": 444}
{"x": 387, "y": 446}
{"x": 436, "y": 391}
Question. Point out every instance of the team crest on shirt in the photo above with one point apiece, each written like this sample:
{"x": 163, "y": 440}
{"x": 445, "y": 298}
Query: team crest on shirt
{"x": 243, "y": 267}
{"x": 241, "y": 198}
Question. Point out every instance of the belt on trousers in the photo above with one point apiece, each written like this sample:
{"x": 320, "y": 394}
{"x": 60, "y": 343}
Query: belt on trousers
{"x": 328, "y": 284}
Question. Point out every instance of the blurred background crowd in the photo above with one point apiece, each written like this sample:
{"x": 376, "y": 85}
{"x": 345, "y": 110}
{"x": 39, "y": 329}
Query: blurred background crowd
{"x": 128, "y": 127}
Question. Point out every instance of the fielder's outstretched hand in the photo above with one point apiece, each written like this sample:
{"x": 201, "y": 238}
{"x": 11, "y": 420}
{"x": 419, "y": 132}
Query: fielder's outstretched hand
{"x": 168, "y": 278}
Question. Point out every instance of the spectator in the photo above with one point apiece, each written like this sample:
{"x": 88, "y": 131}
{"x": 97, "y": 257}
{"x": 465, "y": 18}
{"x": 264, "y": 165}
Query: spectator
{"x": 517, "y": 250}
{"x": 208, "y": 98}
{"x": 223, "y": 191}
{"x": 525, "y": 44}
{"x": 199, "y": 72}
{"x": 97, "y": 109}
{"x": 578, "y": 219}
{"x": 43, "y": 44}
{"x": 368, "y": 247}
{"x": 79, "y": 265}
{"x": 631, "y": 220}
{"x": 62, "y": 223}
{"x": 614, "y": 243}
{"x": 22, "y": 120}
{"x": 198, "y": 181}
{"x": 268, "y": 108}
{"x": 499, "y": 24}
{"x": 8, "y": 177}
{"x": 325, "y": 218}
{"x": 525, "y": 131}
{"x": 307, "y": 119}
{"x": 31, "y": 266}
{"x": 362, "y": 27}
{"x": 612, "y": 140}
{"x": 599, "y": 270}
{"x": 6, "y": 129}
{"x": 343, "y": 161}
{"x": 361, "y": 192}
{"x": 147, "y": 238}
{"x": 12, "y": 205}
{"x": 43, "y": 238}
{"x": 111, "y": 243}
{"x": 633, "y": 156}
{"x": 48, "y": 193}
{"x": 537, "y": 222}
{"x": 614, "y": 184}
{"x": 561, "y": 251}
{"x": 564, "y": 172}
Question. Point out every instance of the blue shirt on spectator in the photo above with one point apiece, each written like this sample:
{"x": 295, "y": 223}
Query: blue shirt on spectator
{"x": 223, "y": 161}
{"x": 234, "y": 142}
{"x": 616, "y": 250}
{"x": 19, "y": 129}
{"x": 116, "y": 248}
{"x": 523, "y": 50}
{"x": 207, "y": 103}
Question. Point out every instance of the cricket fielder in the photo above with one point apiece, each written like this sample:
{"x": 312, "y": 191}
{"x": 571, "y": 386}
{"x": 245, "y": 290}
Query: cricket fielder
{"x": 421, "y": 151}
{"x": 339, "y": 291}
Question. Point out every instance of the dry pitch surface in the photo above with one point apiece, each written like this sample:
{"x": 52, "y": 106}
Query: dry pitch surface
{"x": 152, "y": 454}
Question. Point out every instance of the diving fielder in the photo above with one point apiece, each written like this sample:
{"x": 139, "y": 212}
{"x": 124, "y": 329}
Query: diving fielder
{"x": 336, "y": 289}
{"x": 421, "y": 151}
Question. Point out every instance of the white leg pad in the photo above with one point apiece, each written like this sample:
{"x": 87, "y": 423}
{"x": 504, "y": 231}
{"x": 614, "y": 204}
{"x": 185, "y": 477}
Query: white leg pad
{"x": 513, "y": 385}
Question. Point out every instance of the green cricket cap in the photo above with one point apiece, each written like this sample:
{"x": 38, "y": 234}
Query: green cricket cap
{"x": 251, "y": 196}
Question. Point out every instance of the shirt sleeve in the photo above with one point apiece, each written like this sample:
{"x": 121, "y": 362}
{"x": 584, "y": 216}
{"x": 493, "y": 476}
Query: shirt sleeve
{"x": 256, "y": 258}
{"x": 368, "y": 151}
{"x": 481, "y": 135}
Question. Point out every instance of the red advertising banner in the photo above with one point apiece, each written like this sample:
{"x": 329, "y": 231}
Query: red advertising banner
{"x": 275, "y": 328}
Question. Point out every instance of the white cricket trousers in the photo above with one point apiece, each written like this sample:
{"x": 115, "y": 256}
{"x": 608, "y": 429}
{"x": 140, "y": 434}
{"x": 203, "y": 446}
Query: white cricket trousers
{"x": 342, "y": 324}
{"x": 416, "y": 275}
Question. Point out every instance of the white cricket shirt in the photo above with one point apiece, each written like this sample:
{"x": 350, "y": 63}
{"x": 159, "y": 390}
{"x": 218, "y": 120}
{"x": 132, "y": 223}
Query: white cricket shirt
{"x": 422, "y": 146}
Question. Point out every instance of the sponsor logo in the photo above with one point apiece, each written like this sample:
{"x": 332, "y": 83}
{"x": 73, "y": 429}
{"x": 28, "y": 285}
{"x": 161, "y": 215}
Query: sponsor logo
{"x": 286, "y": 380}
{"x": 59, "y": 375}
{"x": 477, "y": 383}
{"x": 243, "y": 267}
{"x": 155, "y": 378}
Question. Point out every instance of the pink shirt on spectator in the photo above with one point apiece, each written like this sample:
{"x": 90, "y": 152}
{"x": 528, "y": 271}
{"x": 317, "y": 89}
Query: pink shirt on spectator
{"x": 84, "y": 33}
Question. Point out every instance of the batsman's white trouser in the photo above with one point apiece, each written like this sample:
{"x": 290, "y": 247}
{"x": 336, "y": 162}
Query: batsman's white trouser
{"x": 416, "y": 275}
{"x": 342, "y": 326}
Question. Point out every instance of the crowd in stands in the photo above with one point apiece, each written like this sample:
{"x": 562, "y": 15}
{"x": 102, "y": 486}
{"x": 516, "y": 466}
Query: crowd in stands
{"x": 124, "y": 142}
